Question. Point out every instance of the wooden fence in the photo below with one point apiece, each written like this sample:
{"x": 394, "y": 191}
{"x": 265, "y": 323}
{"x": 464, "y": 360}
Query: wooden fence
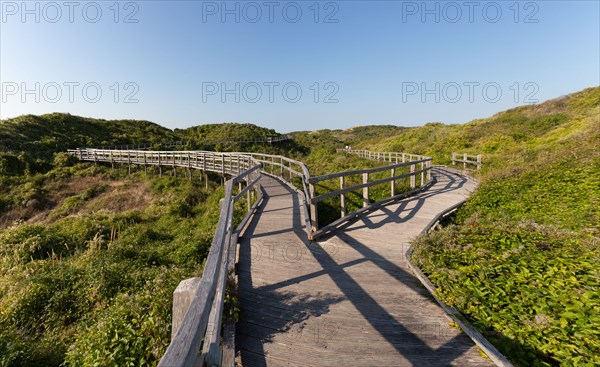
{"x": 466, "y": 159}
{"x": 395, "y": 157}
{"x": 418, "y": 167}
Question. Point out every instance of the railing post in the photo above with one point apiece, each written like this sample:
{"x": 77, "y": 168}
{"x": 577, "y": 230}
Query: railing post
{"x": 281, "y": 161}
{"x": 159, "y": 166}
{"x": 393, "y": 182}
{"x": 189, "y": 162}
{"x": 273, "y": 165}
{"x": 314, "y": 215}
{"x": 365, "y": 190}
{"x": 403, "y": 157}
{"x": 422, "y": 174}
{"x": 465, "y": 161}
{"x": 412, "y": 177}
{"x": 248, "y": 196}
{"x": 182, "y": 297}
{"x": 342, "y": 198}
{"x": 479, "y": 161}
{"x": 428, "y": 170}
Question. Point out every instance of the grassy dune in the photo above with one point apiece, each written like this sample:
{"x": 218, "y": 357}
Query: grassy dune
{"x": 89, "y": 256}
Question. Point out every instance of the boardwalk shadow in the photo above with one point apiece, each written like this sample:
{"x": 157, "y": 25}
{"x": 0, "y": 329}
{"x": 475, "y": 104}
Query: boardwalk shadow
{"x": 407, "y": 208}
{"x": 279, "y": 311}
{"x": 267, "y": 311}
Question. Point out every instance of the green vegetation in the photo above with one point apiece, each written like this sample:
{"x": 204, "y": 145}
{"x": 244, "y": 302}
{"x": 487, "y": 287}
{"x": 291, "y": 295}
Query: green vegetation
{"x": 27, "y": 143}
{"x": 215, "y": 137}
{"x": 90, "y": 281}
{"x": 521, "y": 258}
{"x": 90, "y": 256}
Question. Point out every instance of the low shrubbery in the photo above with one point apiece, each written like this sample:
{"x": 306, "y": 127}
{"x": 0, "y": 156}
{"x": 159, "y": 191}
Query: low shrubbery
{"x": 96, "y": 288}
{"x": 520, "y": 260}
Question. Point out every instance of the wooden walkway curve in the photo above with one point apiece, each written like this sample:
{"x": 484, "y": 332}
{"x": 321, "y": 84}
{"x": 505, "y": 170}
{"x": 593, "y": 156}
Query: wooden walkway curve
{"x": 349, "y": 299}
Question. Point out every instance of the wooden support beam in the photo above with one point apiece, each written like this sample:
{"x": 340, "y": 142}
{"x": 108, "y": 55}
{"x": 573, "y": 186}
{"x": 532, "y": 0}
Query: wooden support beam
{"x": 343, "y": 210}
{"x": 393, "y": 183}
{"x": 429, "y": 171}
{"x": 366, "y": 201}
{"x": 249, "y": 202}
{"x": 314, "y": 215}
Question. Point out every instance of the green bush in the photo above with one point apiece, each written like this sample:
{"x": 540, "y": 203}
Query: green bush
{"x": 134, "y": 331}
{"x": 64, "y": 159}
{"x": 531, "y": 290}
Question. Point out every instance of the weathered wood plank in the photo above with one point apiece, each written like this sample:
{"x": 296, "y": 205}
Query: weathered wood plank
{"x": 350, "y": 300}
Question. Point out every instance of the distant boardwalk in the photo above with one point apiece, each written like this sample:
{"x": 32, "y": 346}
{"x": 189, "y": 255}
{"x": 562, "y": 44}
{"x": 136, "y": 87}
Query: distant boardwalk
{"x": 349, "y": 299}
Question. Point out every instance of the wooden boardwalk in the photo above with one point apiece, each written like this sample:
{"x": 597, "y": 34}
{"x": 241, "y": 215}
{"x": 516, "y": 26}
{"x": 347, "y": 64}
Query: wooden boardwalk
{"x": 350, "y": 299}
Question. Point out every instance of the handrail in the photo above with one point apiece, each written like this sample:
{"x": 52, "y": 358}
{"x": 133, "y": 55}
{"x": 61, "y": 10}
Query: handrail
{"x": 383, "y": 156}
{"x": 368, "y": 170}
{"x": 464, "y": 158}
{"x": 412, "y": 161}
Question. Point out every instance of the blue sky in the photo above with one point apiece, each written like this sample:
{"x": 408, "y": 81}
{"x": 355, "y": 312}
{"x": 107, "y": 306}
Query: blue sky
{"x": 291, "y": 66}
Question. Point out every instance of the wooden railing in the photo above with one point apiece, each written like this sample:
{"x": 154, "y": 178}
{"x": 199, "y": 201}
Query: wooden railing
{"x": 223, "y": 163}
{"x": 201, "y": 326}
{"x": 395, "y": 157}
{"x": 466, "y": 159}
{"x": 197, "y": 339}
{"x": 417, "y": 168}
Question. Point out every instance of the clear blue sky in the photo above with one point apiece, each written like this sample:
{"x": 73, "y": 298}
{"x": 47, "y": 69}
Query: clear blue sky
{"x": 183, "y": 63}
